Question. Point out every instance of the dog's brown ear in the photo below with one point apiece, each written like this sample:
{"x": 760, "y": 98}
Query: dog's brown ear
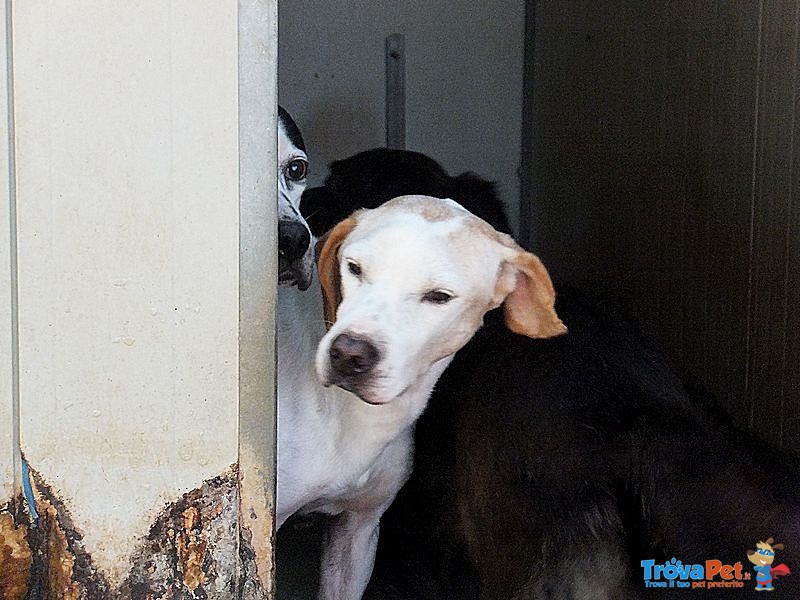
{"x": 777, "y": 546}
{"x": 327, "y": 251}
{"x": 769, "y": 541}
{"x": 530, "y": 301}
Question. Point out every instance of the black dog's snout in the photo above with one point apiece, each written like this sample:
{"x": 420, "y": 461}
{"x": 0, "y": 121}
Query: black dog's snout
{"x": 352, "y": 356}
{"x": 293, "y": 240}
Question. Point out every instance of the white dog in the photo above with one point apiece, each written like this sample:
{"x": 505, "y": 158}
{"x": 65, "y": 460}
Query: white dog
{"x": 414, "y": 279}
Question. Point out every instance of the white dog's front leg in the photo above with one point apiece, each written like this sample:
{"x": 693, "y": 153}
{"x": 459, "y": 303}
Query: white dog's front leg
{"x": 348, "y": 555}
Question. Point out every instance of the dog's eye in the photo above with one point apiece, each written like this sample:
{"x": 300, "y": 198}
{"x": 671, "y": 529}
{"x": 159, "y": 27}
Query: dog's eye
{"x": 437, "y": 297}
{"x": 354, "y": 268}
{"x": 296, "y": 170}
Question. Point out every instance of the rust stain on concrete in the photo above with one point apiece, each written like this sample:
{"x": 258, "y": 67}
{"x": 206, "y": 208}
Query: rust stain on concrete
{"x": 196, "y": 549}
{"x": 58, "y": 561}
{"x": 15, "y": 552}
{"x": 191, "y": 547}
{"x": 256, "y": 525}
{"x": 61, "y": 568}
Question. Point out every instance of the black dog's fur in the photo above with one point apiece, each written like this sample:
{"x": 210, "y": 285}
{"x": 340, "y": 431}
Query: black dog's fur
{"x": 542, "y": 463}
{"x": 371, "y": 178}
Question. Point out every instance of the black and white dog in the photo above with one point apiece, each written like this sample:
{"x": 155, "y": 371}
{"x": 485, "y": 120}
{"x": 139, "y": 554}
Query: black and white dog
{"x": 553, "y": 468}
{"x": 295, "y": 252}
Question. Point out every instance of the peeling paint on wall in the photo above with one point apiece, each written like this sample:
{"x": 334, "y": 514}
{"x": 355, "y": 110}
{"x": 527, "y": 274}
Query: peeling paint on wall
{"x": 15, "y": 552}
{"x": 195, "y": 549}
{"x": 256, "y": 523}
{"x": 61, "y": 569}
{"x": 251, "y": 584}
{"x": 192, "y": 550}
{"x": 191, "y": 546}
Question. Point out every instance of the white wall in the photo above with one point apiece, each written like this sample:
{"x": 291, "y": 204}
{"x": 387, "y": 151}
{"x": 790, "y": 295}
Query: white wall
{"x": 463, "y": 81}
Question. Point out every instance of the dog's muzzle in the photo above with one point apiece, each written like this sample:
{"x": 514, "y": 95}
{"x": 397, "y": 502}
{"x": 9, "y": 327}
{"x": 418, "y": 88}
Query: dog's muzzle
{"x": 294, "y": 241}
{"x": 352, "y": 361}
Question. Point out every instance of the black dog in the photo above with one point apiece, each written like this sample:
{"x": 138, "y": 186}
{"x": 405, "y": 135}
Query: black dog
{"x": 370, "y": 178}
{"x": 553, "y": 468}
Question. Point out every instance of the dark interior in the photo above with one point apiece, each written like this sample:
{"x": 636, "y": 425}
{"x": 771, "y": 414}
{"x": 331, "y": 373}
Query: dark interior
{"x": 657, "y": 167}
{"x": 660, "y": 168}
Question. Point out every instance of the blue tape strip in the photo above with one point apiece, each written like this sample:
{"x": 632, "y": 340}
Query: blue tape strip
{"x": 28, "y": 490}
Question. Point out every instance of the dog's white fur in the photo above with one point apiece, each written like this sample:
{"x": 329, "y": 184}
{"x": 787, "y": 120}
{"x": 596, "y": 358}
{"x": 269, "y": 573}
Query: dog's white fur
{"x": 348, "y": 457}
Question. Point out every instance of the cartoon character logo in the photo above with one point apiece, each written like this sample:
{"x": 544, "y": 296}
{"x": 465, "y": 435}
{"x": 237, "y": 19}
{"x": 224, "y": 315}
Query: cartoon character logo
{"x": 763, "y": 557}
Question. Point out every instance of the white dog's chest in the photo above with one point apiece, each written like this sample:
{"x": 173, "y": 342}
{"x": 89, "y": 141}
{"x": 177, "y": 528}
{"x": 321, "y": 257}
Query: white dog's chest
{"x": 320, "y": 474}
{"x": 334, "y": 452}
{"x": 375, "y": 486}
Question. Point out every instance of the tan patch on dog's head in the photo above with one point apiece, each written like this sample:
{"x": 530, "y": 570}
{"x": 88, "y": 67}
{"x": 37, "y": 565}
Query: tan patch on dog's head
{"x": 523, "y": 287}
{"x": 431, "y": 209}
{"x": 327, "y": 251}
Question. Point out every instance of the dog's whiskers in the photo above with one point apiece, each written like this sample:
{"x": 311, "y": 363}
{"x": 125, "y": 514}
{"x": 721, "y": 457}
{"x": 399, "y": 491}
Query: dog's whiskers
{"x": 307, "y": 217}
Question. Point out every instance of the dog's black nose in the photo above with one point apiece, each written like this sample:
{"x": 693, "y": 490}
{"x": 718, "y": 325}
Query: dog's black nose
{"x": 293, "y": 240}
{"x": 352, "y": 356}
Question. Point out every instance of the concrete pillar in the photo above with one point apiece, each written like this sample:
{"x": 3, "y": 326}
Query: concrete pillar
{"x": 145, "y": 231}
